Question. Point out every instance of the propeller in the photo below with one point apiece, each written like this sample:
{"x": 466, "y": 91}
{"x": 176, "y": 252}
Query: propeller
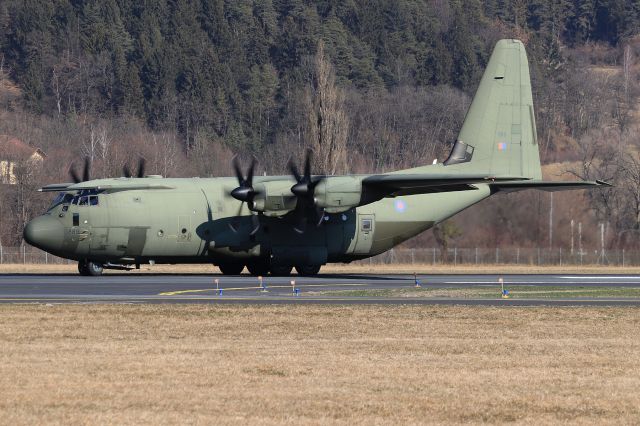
{"x": 127, "y": 171}
{"x": 86, "y": 171}
{"x": 304, "y": 189}
{"x": 244, "y": 193}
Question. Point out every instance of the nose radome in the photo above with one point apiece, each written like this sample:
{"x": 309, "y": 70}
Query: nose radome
{"x": 44, "y": 232}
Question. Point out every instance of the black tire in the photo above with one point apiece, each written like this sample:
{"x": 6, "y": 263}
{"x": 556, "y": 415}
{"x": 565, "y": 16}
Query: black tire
{"x": 82, "y": 268}
{"x": 231, "y": 268}
{"x": 89, "y": 269}
{"x": 308, "y": 270}
{"x": 258, "y": 267}
{"x": 281, "y": 270}
{"x": 94, "y": 269}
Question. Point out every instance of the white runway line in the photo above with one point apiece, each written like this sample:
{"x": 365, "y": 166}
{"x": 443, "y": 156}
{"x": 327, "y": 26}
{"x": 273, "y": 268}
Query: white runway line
{"x": 600, "y": 278}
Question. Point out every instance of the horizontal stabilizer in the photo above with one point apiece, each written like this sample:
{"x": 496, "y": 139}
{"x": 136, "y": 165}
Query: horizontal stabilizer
{"x": 549, "y": 186}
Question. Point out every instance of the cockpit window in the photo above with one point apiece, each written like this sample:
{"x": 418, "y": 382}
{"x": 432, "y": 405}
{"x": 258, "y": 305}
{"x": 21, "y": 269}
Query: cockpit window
{"x": 61, "y": 198}
{"x": 85, "y": 197}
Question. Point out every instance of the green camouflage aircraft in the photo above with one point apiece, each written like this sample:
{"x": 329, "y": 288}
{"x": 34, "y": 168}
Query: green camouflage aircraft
{"x": 271, "y": 224}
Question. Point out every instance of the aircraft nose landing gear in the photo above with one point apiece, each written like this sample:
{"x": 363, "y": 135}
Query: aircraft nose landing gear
{"x": 88, "y": 268}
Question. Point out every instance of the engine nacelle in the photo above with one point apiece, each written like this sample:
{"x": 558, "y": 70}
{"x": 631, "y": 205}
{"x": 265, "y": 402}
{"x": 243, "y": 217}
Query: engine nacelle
{"x": 274, "y": 198}
{"x": 338, "y": 194}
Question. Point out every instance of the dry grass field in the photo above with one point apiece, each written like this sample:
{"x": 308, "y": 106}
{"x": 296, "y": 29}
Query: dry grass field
{"x": 115, "y": 364}
{"x": 347, "y": 269}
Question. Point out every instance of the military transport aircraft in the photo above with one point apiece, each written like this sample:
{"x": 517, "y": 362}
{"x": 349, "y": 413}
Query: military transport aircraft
{"x": 271, "y": 224}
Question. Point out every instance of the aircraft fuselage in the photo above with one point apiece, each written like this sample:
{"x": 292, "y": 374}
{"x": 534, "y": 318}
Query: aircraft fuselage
{"x": 195, "y": 222}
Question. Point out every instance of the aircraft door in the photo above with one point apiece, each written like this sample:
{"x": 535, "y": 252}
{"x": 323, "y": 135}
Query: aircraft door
{"x": 366, "y": 229}
{"x": 81, "y": 229}
{"x": 191, "y": 213}
{"x": 98, "y": 215}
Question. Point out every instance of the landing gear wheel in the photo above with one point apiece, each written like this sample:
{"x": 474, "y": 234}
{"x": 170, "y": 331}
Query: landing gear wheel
{"x": 88, "y": 268}
{"x": 82, "y": 268}
{"x": 258, "y": 267}
{"x": 281, "y": 270}
{"x": 231, "y": 268}
{"x": 308, "y": 270}
{"x": 94, "y": 269}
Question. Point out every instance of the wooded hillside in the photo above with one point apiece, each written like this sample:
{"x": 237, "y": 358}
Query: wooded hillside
{"x": 187, "y": 83}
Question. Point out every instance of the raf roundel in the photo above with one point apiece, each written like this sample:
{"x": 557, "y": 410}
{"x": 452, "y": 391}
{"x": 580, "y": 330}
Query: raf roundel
{"x": 400, "y": 206}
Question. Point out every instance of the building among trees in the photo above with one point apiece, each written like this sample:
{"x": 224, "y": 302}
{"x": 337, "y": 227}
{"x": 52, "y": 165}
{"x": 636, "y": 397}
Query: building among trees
{"x": 13, "y": 153}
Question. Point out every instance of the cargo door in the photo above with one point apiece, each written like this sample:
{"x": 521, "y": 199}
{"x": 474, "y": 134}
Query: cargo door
{"x": 366, "y": 229}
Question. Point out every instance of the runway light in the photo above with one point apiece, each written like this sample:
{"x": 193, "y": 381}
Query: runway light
{"x": 503, "y": 293}
{"x": 262, "y": 284}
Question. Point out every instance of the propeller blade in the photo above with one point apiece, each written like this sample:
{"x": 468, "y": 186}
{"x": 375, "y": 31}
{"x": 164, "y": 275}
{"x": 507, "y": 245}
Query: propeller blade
{"x": 301, "y": 226}
{"x": 74, "y": 174}
{"x": 141, "y": 164}
{"x": 236, "y": 168}
{"x": 307, "y": 165}
{"x": 294, "y": 170}
{"x": 252, "y": 168}
{"x": 255, "y": 221}
{"x": 234, "y": 224}
{"x": 86, "y": 172}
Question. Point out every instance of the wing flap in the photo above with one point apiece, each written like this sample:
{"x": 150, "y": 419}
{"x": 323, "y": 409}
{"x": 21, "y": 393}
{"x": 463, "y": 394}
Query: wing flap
{"x": 393, "y": 185}
{"x": 549, "y": 186}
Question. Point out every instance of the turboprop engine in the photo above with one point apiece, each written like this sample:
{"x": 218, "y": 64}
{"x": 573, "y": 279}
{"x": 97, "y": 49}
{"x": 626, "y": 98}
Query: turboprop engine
{"x": 336, "y": 194}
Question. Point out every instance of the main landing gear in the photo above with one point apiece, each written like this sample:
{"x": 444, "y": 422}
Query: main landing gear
{"x": 88, "y": 268}
{"x": 231, "y": 268}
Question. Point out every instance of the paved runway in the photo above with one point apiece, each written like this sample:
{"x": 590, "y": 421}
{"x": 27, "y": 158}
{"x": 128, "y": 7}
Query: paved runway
{"x": 168, "y": 288}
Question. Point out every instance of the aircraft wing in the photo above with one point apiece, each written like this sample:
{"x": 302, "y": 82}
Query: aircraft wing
{"x": 57, "y": 187}
{"x": 549, "y": 186}
{"x": 392, "y": 185}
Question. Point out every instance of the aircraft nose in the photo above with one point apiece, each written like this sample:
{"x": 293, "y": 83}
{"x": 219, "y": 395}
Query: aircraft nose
{"x": 44, "y": 232}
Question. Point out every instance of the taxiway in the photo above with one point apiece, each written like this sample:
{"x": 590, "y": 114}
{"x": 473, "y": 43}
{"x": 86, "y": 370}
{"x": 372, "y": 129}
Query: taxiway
{"x": 169, "y": 288}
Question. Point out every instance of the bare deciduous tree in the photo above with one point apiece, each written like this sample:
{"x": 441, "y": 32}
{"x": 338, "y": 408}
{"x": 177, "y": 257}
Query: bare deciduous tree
{"x": 328, "y": 123}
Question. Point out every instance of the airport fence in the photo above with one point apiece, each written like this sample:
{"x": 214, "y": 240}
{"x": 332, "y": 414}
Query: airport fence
{"x": 508, "y": 256}
{"x": 431, "y": 256}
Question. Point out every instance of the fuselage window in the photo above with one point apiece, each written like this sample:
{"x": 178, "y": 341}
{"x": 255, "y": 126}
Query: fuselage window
{"x": 93, "y": 200}
{"x": 75, "y": 200}
{"x": 84, "y": 201}
{"x": 366, "y": 225}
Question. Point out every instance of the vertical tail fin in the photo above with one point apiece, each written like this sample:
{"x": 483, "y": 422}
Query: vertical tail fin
{"x": 498, "y": 136}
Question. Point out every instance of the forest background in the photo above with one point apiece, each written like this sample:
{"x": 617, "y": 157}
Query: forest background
{"x": 186, "y": 84}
